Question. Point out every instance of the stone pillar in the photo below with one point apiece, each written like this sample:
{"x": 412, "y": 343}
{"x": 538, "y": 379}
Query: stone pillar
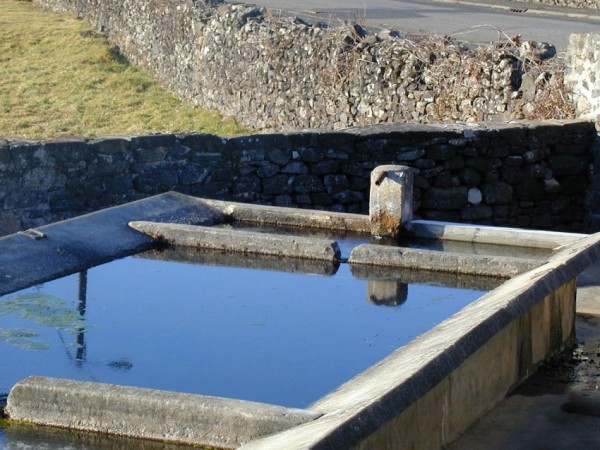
{"x": 581, "y": 74}
{"x": 391, "y": 200}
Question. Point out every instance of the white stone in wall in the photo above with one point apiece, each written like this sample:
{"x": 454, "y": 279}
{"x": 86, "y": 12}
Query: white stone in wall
{"x": 474, "y": 196}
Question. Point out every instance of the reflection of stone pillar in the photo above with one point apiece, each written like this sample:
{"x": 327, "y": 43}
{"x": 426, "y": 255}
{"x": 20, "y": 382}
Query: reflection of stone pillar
{"x": 81, "y": 305}
{"x": 387, "y": 292}
{"x": 391, "y": 200}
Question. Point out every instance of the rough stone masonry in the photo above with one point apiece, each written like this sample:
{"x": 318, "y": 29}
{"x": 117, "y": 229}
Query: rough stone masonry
{"x": 282, "y": 74}
{"x": 530, "y": 174}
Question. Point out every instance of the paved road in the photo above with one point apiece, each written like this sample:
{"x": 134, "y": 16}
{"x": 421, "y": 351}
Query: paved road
{"x": 469, "y": 20}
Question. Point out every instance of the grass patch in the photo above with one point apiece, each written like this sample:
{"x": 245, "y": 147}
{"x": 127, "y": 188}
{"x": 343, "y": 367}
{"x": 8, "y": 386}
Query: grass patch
{"x": 58, "y": 77}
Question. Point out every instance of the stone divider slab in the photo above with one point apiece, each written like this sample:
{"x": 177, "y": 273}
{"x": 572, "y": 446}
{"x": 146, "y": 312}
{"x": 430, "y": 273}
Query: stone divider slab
{"x": 147, "y": 413}
{"x": 496, "y": 266}
{"x": 241, "y": 241}
{"x": 291, "y": 217}
{"x": 481, "y": 234}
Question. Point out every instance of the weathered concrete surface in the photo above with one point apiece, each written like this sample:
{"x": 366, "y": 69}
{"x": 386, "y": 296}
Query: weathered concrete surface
{"x": 151, "y": 414}
{"x": 497, "y": 266}
{"x": 480, "y": 234}
{"x": 240, "y": 241}
{"x": 74, "y": 244}
{"x": 291, "y": 217}
{"x": 390, "y": 200}
{"x": 426, "y": 393}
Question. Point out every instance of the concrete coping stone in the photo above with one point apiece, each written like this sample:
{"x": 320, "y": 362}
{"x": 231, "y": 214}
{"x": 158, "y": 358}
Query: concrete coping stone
{"x": 147, "y": 413}
{"x": 432, "y": 260}
{"x": 240, "y": 241}
{"x": 481, "y": 234}
{"x": 291, "y": 217}
{"x": 365, "y": 403}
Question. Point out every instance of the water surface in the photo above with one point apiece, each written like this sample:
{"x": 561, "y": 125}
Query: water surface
{"x": 275, "y": 337}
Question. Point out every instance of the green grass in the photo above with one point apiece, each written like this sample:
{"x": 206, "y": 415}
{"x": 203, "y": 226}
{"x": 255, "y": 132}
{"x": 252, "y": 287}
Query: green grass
{"x": 59, "y": 78}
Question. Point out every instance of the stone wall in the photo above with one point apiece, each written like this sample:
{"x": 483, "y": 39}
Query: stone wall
{"x": 283, "y": 74}
{"x": 522, "y": 174}
{"x": 590, "y": 4}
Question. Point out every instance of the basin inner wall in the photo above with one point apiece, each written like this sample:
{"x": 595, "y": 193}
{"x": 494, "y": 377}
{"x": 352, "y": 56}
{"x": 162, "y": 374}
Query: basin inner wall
{"x": 483, "y": 379}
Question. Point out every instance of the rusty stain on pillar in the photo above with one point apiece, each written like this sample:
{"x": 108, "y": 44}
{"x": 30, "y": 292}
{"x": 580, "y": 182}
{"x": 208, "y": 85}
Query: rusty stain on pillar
{"x": 391, "y": 200}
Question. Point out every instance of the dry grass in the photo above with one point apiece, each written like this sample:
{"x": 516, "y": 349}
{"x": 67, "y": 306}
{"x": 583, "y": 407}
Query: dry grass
{"x": 58, "y": 78}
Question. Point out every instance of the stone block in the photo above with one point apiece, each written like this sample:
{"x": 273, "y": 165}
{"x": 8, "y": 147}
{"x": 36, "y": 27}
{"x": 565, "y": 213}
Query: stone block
{"x": 279, "y": 156}
{"x": 454, "y": 198}
{"x": 295, "y": 167}
{"x": 308, "y": 184}
{"x": 496, "y": 193}
{"x": 336, "y": 183}
{"x": 277, "y": 185}
{"x": 567, "y": 165}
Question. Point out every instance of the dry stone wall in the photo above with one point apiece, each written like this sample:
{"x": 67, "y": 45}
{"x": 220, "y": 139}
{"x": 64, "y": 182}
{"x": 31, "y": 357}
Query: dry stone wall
{"x": 524, "y": 174}
{"x": 284, "y": 74}
{"x": 589, "y": 4}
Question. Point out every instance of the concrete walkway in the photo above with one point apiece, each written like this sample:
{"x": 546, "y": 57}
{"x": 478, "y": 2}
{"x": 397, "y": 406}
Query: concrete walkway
{"x": 559, "y": 407}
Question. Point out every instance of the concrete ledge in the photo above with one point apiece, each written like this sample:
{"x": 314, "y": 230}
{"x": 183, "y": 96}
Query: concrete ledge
{"x": 492, "y": 235}
{"x": 459, "y": 263}
{"x": 240, "y": 241}
{"x": 291, "y": 217}
{"x": 146, "y": 413}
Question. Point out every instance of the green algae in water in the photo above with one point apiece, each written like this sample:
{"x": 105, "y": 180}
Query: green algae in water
{"x": 43, "y": 309}
{"x": 23, "y": 338}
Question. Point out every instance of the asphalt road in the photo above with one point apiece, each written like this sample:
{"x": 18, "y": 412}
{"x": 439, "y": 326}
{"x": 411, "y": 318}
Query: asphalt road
{"x": 478, "y": 21}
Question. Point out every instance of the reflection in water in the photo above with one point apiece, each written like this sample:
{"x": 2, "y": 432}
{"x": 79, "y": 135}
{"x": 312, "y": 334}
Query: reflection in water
{"x": 387, "y": 292}
{"x": 82, "y": 300}
{"x": 232, "y": 332}
{"x": 413, "y": 276}
{"x": 242, "y": 260}
{"x": 27, "y": 437}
